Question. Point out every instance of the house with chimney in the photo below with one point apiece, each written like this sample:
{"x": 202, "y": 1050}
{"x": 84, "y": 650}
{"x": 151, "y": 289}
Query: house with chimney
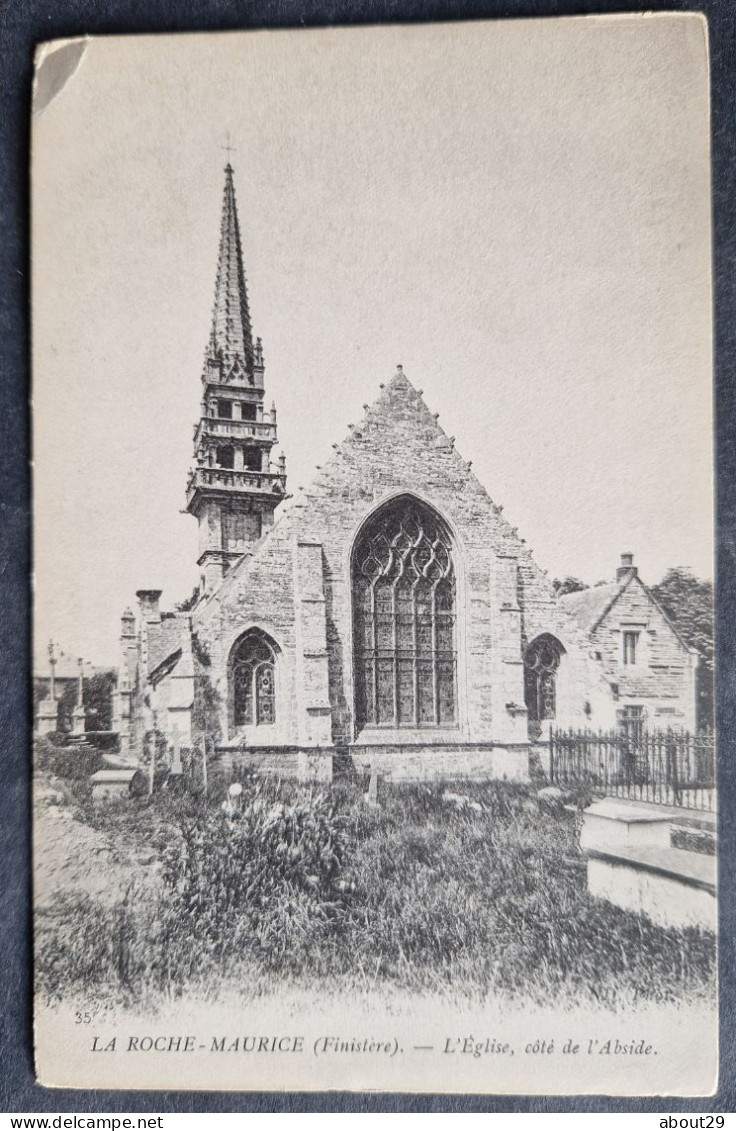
{"x": 650, "y": 668}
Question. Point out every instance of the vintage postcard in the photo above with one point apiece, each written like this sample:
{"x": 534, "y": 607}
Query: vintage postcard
{"x": 373, "y": 679}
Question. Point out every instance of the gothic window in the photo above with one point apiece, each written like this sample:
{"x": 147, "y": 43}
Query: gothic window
{"x": 247, "y": 411}
{"x": 253, "y": 681}
{"x": 225, "y": 457}
{"x": 404, "y": 620}
{"x": 541, "y": 661}
{"x": 225, "y": 409}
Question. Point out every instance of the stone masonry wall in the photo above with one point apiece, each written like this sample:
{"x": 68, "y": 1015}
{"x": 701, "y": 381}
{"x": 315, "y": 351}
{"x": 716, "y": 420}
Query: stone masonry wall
{"x": 257, "y": 593}
{"x": 296, "y": 587}
{"x": 663, "y": 677}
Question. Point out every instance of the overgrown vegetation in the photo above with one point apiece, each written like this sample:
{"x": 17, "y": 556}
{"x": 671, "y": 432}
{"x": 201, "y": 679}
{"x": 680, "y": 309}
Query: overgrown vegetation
{"x": 53, "y": 755}
{"x": 482, "y": 896}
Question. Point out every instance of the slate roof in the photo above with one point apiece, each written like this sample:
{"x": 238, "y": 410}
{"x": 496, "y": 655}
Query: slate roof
{"x": 165, "y": 639}
{"x": 589, "y": 605}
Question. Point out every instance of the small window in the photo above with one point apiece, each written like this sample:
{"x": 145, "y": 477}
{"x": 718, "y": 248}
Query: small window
{"x": 631, "y": 721}
{"x": 225, "y": 410}
{"x": 226, "y": 457}
{"x": 630, "y": 642}
{"x": 252, "y": 459}
{"x": 247, "y": 411}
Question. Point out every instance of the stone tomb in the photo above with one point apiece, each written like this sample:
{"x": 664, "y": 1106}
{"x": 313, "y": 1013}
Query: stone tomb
{"x": 111, "y": 785}
{"x": 613, "y": 823}
{"x": 632, "y": 864}
{"x": 672, "y": 887}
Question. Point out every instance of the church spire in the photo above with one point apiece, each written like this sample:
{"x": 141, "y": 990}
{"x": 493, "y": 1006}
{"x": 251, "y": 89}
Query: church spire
{"x": 231, "y": 340}
{"x": 233, "y": 487}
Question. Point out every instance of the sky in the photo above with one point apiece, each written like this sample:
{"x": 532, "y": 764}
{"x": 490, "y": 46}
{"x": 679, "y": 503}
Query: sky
{"x": 517, "y": 212}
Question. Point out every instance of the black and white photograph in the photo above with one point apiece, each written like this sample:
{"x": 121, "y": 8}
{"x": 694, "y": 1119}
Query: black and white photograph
{"x": 373, "y": 673}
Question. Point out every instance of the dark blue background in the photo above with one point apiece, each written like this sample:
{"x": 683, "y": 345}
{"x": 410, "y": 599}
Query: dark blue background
{"x": 22, "y": 25}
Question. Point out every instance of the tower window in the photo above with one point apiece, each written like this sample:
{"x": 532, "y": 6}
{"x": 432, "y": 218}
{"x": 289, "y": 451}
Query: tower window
{"x": 225, "y": 410}
{"x": 404, "y": 618}
{"x": 630, "y": 642}
{"x": 252, "y": 459}
{"x": 247, "y": 410}
{"x": 226, "y": 457}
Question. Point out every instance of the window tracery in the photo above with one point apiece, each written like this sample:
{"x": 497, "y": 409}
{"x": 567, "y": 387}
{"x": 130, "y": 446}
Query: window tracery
{"x": 541, "y": 661}
{"x": 404, "y": 620}
{"x": 253, "y": 681}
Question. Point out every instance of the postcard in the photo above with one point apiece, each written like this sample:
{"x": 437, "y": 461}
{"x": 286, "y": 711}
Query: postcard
{"x": 373, "y": 667}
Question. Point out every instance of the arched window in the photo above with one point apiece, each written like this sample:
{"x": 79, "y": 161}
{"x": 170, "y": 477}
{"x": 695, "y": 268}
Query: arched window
{"x": 253, "y": 681}
{"x": 541, "y": 661}
{"x": 404, "y": 619}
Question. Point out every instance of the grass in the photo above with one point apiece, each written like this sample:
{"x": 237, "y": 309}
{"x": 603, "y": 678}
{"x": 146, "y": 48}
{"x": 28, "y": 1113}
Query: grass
{"x": 312, "y": 886}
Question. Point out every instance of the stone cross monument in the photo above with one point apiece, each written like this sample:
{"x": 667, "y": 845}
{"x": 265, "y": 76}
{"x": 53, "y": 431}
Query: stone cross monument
{"x": 48, "y": 708}
{"x": 79, "y": 716}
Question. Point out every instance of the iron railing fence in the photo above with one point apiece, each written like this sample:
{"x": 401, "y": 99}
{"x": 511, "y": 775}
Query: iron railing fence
{"x": 665, "y": 767}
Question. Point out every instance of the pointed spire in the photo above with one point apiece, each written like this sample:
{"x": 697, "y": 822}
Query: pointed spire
{"x": 231, "y": 336}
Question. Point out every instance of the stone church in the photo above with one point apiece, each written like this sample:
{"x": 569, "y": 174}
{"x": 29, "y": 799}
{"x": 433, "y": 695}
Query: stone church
{"x": 389, "y": 615}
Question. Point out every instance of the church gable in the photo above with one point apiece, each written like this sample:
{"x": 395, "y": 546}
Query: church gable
{"x": 398, "y": 477}
{"x": 399, "y": 446}
{"x": 398, "y": 456}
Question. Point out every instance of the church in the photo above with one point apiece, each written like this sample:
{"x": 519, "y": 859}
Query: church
{"x": 388, "y": 616}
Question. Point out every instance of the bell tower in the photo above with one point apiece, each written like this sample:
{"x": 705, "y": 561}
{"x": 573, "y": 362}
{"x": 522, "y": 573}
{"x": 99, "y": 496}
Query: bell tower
{"x": 233, "y": 487}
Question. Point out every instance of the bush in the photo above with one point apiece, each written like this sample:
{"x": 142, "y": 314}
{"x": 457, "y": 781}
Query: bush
{"x": 267, "y": 874}
{"x": 67, "y": 761}
{"x": 425, "y": 892}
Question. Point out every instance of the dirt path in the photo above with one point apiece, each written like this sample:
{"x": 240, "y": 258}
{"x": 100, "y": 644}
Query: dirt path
{"x": 69, "y": 855}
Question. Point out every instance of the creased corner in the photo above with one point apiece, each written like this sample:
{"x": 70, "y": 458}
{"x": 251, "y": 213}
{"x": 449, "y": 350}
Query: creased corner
{"x": 56, "y": 62}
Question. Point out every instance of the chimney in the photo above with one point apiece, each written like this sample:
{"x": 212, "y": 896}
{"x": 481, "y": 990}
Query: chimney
{"x": 627, "y": 568}
{"x": 148, "y": 600}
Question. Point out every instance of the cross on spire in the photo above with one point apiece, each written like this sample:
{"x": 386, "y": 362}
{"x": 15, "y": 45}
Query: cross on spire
{"x": 228, "y": 147}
